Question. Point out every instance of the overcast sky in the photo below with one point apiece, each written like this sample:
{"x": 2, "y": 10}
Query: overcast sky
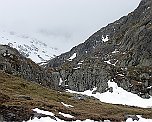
{"x": 61, "y": 21}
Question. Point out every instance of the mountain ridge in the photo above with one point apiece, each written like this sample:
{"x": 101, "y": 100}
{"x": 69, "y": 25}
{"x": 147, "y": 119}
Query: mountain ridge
{"x": 119, "y": 52}
{"x": 29, "y": 46}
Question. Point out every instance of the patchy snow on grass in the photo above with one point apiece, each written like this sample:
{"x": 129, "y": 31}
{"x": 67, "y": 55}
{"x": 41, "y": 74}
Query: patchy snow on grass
{"x": 73, "y": 56}
{"x": 66, "y": 105}
{"x": 119, "y": 96}
{"x": 44, "y": 119}
{"x": 48, "y": 119}
{"x": 66, "y": 115}
{"x": 140, "y": 119}
{"x": 43, "y": 112}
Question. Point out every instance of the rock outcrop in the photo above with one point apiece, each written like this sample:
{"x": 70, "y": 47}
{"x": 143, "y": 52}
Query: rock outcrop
{"x": 12, "y": 62}
{"x": 120, "y": 52}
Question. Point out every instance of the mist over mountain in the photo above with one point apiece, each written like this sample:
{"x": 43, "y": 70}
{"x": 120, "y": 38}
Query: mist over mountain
{"x": 57, "y": 22}
{"x": 104, "y": 78}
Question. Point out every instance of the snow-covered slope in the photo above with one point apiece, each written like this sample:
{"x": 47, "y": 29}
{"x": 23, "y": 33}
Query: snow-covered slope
{"x": 30, "y": 47}
{"x": 118, "y": 96}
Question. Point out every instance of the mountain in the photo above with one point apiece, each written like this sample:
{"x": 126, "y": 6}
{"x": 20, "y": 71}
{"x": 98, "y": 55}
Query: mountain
{"x": 28, "y": 91}
{"x": 14, "y": 63}
{"x": 114, "y": 66}
{"x": 121, "y": 52}
{"x": 28, "y": 46}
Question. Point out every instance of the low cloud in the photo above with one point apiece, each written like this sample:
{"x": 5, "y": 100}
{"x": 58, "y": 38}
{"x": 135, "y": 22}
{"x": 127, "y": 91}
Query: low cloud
{"x": 65, "y": 21}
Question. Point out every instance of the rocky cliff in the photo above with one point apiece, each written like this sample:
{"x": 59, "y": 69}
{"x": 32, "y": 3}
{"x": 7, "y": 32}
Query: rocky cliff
{"x": 14, "y": 63}
{"x": 120, "y": 52}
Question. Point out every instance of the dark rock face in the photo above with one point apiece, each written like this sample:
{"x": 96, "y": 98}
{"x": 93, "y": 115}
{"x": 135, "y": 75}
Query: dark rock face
{"x": 12, "y": 62}
{"x": 133, "y": 117}
{"x": 14, "y": 114}
{"x": 120, "y": 52}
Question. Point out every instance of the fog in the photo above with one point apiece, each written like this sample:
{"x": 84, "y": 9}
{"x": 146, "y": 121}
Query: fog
{"x": 61, "y": 23}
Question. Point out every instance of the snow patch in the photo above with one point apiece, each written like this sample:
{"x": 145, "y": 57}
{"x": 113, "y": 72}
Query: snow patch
{"x": 115, "y": 51}
{"x": 66, "y": 115}
{"x": 118, "y": 96}
{"x": 43, "y": 112}
{"x": 105, "y": 39}
{"x": 121, "y": 75}
{"x": 66, "y": 105}
{"x": 148, "y": 8}
{"x": 80, "y": 63}
{"x": 61, "y": 81}
{"x": 72, "y": 57}
{"x": 108, "y": 62}
{"x": 77, "y": 68}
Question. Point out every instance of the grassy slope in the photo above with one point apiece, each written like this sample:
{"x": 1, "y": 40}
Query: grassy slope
{"x": 11, "y": 89}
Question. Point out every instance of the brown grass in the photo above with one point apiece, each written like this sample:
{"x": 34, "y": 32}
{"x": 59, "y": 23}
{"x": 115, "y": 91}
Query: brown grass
{"x": 12, "y": 87}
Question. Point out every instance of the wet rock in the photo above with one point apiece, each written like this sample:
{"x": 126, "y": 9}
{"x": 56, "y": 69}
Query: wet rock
{"x": 11, "y": 117}
{"x": 103, "y": 87}
{"x": 133, "y": 117}
{"x": 83, "y": 97}
{"x": 110, "y": 89}
{"x": 150, "y": 91}
{"x": 14, "y": 113}
{"x": 1, "y": 118}
{"x": 39, "y": 115}
{"x": 145, "y": 96}
{"x": 79, "y": 97}
{"x": 56, "y": 79}
{"x": 146, "y": 84}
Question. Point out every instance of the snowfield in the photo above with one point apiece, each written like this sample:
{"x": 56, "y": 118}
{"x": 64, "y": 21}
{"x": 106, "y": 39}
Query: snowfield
{"x": 118, "y": 96}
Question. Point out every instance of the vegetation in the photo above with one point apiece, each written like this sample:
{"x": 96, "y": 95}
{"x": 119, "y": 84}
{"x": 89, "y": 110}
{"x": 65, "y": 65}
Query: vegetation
{"x": 16, "y": 92}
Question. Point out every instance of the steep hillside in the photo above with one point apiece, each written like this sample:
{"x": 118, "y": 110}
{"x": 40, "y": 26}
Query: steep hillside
{"x": 18, "y": 97}
{"x": 120, "y": 52}
{"x": 12, "y": 62}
